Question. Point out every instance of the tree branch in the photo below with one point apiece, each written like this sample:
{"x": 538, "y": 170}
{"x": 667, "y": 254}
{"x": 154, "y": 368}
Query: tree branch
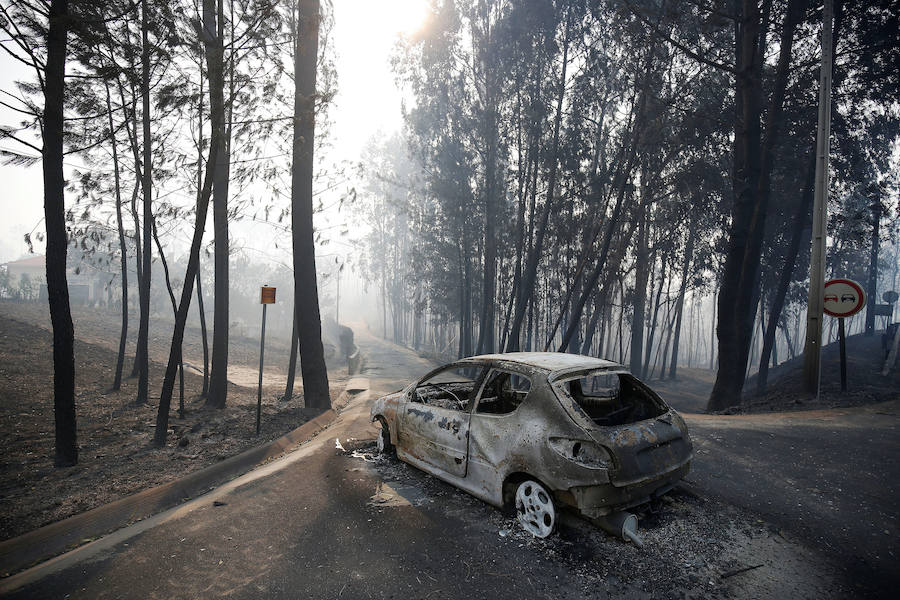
{"x": 18, "y": 37}
{"x": 691, "y": 53}
{"x": 8, "y": 134}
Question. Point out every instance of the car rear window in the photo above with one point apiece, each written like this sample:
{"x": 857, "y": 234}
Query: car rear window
{"x": 611, "y": 398}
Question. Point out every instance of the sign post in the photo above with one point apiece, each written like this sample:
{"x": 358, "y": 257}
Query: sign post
{"x": 266, "y": 297}
{"x": 843, "y": 344}
{"x": 891, "y": 347}
{"x": 843, "y": 298}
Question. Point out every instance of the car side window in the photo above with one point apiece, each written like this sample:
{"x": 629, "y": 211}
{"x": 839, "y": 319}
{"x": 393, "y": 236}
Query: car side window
{"x": 503, "y": 392}
{"x": 451, "y": 388}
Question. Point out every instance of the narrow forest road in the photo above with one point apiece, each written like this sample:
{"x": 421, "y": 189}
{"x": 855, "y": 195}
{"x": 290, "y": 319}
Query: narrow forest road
{"x": 332, "y": 521}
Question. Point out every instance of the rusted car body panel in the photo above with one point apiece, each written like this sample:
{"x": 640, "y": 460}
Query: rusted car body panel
{"x": 436, "y": 436}
{"x": 481, "y": 453}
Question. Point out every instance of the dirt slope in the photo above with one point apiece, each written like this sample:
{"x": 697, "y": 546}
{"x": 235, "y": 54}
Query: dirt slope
{"x": 115, "y": 455}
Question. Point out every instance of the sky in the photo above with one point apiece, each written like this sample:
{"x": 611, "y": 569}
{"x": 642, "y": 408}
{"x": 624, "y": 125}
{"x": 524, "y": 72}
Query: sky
{"x": 368, "y": 104}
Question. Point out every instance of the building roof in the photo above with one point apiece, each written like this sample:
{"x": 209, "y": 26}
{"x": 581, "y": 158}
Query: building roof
{"x": 34, "y": 261}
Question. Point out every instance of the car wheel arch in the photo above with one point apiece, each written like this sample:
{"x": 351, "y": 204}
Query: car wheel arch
{"x": 511, "y": 483}
{"x": 389, "y": 423}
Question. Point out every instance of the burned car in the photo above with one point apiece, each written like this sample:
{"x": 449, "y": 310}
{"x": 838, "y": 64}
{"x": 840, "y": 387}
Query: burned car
{"x": 539, "y": 431}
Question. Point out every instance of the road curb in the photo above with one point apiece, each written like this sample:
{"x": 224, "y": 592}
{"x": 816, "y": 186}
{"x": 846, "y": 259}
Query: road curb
{"x": 46, "y": 542}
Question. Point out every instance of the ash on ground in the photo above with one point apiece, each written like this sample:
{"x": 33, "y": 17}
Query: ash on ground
{"x": 694, "y": 547}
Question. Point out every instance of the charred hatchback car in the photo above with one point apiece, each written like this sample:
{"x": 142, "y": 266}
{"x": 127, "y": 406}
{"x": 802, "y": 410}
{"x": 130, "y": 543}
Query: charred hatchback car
{"x": 539, "y": 431}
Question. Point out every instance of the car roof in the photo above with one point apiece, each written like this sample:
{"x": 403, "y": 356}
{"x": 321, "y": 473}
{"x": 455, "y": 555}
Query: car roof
{"x": 548, "y": 361}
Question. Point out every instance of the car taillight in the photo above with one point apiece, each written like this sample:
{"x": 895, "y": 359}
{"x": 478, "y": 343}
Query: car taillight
{"x": 585, "y": 453}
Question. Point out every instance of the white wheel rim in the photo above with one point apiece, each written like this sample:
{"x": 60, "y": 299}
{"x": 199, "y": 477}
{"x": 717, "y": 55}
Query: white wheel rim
{"x": 535, "y": 510}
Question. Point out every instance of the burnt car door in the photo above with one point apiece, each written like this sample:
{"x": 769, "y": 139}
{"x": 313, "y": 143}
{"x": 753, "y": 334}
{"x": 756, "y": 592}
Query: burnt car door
{"x": 496, "y": 427}
{"x": 435, "y": 421}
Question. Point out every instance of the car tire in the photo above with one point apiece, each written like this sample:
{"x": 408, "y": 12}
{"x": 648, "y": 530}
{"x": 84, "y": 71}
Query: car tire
{"x": 535, "y": 508}
{"x": 383, "y": 443}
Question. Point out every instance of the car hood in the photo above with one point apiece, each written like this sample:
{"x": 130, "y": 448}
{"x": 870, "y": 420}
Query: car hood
{"x": 387, "y": 403}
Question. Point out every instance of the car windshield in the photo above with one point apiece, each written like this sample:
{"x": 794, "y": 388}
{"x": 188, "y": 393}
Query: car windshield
{"x": 610, "y": 398}
{"x": 451, "y": 387}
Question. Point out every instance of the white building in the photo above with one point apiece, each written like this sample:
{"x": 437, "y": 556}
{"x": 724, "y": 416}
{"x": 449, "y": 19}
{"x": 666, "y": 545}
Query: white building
{"x": 82, "y": 289}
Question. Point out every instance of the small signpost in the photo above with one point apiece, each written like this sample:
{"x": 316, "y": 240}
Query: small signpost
{"x": 843, "y": 298}
{"x": 890, "y": 297}
{"x": 886, "y": 309}
{"x": 266, "y": 297}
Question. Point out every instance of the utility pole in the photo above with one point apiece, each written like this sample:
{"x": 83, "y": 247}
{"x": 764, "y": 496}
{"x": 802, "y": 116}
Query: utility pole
{"x": 337, "y": 301}
{"x": 873, "y": 266}
{"x": 812, "y": 350}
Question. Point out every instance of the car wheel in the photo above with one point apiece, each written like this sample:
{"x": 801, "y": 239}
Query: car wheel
{"x": 535, "y": 509}
{"x": 383, "y": 443}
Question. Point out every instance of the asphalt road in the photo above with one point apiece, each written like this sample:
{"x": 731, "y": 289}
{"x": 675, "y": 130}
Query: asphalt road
{"x": 791, "y": 501}
{"x": 311, "y": 530}
{"x": 831, "y": 478}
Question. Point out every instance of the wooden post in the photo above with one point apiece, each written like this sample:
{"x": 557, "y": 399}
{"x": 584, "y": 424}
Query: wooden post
{"x": 262, "y": 346}
{"x": 266, "y": 297}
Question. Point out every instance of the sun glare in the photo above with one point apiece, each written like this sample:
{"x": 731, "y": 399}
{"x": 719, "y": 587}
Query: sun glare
{"x": 405, "y": 17}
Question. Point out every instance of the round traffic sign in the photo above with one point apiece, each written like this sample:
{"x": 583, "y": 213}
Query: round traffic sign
{"x": 890, "y": 297}
{"x": 843, "y": 298}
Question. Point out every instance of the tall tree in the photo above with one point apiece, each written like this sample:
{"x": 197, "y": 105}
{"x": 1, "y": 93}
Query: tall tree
{"x": 753, "y": 161}
{"x": 489, "y": 80}
{"x": 679, "y": 303}
{"x": 306, "y": 295}
{"x": 142, "y": 354}
{"x": 527, "y": 283}
{"x": 642, "y": 273}
{"x": 213, "y": 35}
{"x": 123, "y": 248}
{"x": 193, "y": 268}
{"x": 57, "y": 239}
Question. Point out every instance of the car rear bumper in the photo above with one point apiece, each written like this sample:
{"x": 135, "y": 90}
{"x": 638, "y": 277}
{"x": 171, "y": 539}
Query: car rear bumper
{"x": 598, "y": 500}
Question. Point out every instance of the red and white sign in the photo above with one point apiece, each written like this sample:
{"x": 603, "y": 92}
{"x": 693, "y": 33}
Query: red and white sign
{"x": 843, "y": 298}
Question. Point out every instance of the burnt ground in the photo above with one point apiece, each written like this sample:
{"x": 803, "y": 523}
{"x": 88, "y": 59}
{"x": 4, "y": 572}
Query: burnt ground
{"x": 689, "y": 391}
{"x": 823, "y": 471}
{"x": 694, "y": 547}
{"x": 115, "y": 455}
{"x": 865, "y": 383}
{"x": 785, "y": 392}
{"x": 779, "y": 505}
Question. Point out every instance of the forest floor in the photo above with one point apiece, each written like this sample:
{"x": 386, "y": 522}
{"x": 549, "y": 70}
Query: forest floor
{"x": 865, "y": 383}
{"x": 689, "y": 392}
{"x": 116, "y": 457}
